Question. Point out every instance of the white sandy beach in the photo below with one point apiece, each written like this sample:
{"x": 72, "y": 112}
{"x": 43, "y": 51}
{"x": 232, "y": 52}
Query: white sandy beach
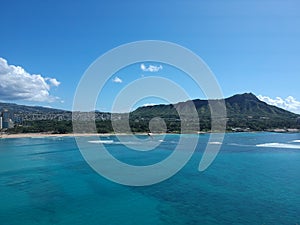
{"x": 36, "y": 135}
{"x": 32, "y": 135}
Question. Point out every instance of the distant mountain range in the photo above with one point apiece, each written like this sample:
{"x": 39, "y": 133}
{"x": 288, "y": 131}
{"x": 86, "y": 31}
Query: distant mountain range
{"x": 244, "y": 111}
{"x": 28, "y": 109}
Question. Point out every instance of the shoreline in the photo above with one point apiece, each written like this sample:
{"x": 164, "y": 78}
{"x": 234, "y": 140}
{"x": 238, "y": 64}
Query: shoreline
{"x": 42, "y": 135}
{"x": 35, "y": 135}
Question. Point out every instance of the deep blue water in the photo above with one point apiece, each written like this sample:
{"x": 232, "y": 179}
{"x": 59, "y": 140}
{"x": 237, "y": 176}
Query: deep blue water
{"x": 255, "y": 179}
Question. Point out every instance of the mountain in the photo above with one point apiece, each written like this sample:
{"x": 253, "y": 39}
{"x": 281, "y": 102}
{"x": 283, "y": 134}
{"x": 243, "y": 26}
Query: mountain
{"x": 29, "y": 113}
{"x": 35, "y": 113}
{"x": 28, "y": 109}
{"x": 244, "y": 112}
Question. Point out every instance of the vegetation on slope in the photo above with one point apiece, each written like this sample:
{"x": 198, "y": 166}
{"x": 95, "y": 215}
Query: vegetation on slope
{"x": 244, "y": 112}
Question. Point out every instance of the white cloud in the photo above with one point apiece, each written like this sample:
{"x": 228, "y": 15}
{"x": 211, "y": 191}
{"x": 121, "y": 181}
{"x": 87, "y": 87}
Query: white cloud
{"x": 53, "y": 81}
{"x": 151, "y": 68}
{"x": 148, "y": 104}
{"x": 17, "y": 84}
{"x": 117, "y": 80}
{"x": 289, "y": 103}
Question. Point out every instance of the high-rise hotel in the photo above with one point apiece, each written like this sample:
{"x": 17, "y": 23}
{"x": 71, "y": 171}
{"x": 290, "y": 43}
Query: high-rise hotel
{"x": 5, "y": 120}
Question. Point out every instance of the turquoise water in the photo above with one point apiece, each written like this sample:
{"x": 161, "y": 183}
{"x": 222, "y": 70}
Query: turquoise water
{"x": 255, "y": 179}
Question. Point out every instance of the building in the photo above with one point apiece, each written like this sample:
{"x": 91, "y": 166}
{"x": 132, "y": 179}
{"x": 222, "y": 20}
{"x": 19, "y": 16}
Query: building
{"x": 298, "y": 121}
{"x": 0, "y": 122}
{"x": 6, "y": 121}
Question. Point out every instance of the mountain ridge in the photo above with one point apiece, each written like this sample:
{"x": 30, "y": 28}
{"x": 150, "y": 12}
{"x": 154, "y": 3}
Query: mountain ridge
{"x": 245, "y": 98}
{"x": 197, "y": 102}
{"x": 244, "y": 111}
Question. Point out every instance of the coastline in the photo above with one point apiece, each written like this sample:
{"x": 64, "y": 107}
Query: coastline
{"x": 41, "y": 135}
{"x": 35, "y": 135}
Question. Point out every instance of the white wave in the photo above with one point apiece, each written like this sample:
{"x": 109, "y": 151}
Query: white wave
{"x": 296, "y": 141}
{"x": 236, "y": 144}
{"x": 215, "y": 143}
{"x": 279, "y": 145}
{"x": 123, "y": 142}
{"x": 102, "y": 142}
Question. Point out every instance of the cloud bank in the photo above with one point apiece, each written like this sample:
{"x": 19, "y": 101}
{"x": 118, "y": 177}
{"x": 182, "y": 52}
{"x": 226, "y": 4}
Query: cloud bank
{"x": 17, "y": 84}
{"x": 151, "y": 68}
{"x": 289, "y": 103}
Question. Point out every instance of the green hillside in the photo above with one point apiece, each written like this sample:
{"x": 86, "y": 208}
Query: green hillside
{"x": 245, "y": 112}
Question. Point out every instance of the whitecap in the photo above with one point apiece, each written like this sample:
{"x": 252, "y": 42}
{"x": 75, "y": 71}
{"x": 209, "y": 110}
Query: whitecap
{"x": 296, "y": 141}
{"x": 102, "y": 142}
{"x": 279, "y": 145}
{"x": 215, "y": 143}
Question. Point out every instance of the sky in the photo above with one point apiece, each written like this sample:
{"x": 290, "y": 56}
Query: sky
{"x": 250, "y": 46}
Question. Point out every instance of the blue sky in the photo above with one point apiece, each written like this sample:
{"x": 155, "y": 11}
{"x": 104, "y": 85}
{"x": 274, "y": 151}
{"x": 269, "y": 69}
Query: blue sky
{"x": 251, "y": 46}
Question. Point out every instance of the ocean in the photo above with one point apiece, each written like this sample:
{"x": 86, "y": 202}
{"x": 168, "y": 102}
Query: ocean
{"x": 255, "y": 179}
